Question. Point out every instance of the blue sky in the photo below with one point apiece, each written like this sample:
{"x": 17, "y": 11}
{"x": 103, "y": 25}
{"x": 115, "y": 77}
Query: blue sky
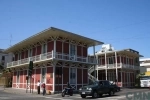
{"x": 122, "y": 23}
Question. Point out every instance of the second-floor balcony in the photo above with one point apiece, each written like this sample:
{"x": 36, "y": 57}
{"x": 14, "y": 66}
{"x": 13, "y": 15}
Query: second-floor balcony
{"x": 119, "y": 65}
{"x": 52, "y": 55}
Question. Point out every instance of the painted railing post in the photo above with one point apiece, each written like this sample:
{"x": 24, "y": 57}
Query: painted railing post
{"x": 29, "y": 60}
{"x": 52, "y": 53}
{"x": 18, "y": 62}
{"x": 74, "y": 58}
{"x": 87, "y": 59}
{"x": 40, "y": 56}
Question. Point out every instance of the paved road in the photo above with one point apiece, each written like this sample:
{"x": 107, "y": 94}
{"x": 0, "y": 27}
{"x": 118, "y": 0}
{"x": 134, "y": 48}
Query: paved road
{"x": 12, "y": 96}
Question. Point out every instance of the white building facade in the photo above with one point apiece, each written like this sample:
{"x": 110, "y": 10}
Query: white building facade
{"x": 145, "y": 66}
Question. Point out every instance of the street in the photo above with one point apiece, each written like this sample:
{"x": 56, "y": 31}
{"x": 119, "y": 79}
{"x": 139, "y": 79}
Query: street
{"x": 14, "y": 96}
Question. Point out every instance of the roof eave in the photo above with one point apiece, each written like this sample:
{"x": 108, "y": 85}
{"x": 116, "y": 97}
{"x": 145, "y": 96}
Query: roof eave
{"x": 92, "y": 41}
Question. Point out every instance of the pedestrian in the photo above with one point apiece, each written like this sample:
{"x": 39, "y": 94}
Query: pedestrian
{"x": 38, "y": 86}
{"x": 43, "y": 86}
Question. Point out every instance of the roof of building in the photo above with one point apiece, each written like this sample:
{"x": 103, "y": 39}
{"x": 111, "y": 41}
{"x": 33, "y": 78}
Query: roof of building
{"x": 53, "y": 32}
{"x": 124, "y": 51}
{"x": 1, "y": 50}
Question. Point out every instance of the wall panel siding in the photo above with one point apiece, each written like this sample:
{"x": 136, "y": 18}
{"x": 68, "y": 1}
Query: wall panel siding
{"x": 25, "y": 74}
{"x": 38, "y": 74}
{"x": 84, "y": 52}
{"x": 79, "y": 50}
{"x": 49, "y": 87}
{"x": 50, "y": 46}
{"x": 34, "y": 51}
{"x": 85, "y": 74}
{"x": 65, "y": 75}
{"x": 58, "y": 46}
{"x": 21, "y": 77}
{"x": 26, "y": 54}
{"x": 14, "y": 77}
{"x": 22, "y": 55}
{"x": 39, "y": 50}
{"x": 118, "y": 59}
{"x": 122, "y": 60}
{"x": 16, "y": 57}
{"x": 66, "y": 48}
{"x": 49, "y": 78}
{"x": 79, "y": 76}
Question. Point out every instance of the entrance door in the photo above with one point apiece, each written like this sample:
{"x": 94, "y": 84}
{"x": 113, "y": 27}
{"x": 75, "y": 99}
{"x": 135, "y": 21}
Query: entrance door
{"x": 73, "y": 77}
{"x": 43, "y": 75}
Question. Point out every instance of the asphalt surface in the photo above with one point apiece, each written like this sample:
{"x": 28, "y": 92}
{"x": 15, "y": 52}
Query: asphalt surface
{"x": 14, "y": 96}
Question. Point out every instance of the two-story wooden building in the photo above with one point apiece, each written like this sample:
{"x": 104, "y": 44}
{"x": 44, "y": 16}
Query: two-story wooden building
{"x": 120, "y": 66}
{"x": 58, "y": 56}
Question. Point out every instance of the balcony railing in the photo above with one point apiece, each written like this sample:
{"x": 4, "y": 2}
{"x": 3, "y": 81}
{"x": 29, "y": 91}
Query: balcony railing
{"x": 52, "y": 55}
{"x": 145, "y": 64}
{"x": 119, "y": 65}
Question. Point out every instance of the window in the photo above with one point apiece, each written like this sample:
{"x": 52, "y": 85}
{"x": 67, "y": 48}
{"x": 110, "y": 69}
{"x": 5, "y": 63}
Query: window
{"x": 44, "y": 48}
{"x": 30, "y": 53}
{"x": 13, "y": 58}
{"x": 110, "y": 60}
{"x": 72, "y": 75}
{"x": 72, "y": 50}
{"x": 18, "y": 75}
{"x": 19, "y": 56}
{"x": 43, "y": 75}
{"x": 127, "y": 60}
{"x": 3, "y": 57}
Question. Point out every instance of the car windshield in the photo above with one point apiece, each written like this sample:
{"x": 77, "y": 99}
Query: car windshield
{"x": 145, "y": 78}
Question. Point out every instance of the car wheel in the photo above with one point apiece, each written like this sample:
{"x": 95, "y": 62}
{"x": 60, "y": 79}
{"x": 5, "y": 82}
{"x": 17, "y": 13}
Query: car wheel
{"x": 111, "y": 93}
{"x": 100, "y": 95}
{"x": 95, "y": 95}
{"x": 83, "y": 96}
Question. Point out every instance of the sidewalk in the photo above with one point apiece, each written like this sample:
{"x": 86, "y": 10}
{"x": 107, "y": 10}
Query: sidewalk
{"x": 23, "y": 92}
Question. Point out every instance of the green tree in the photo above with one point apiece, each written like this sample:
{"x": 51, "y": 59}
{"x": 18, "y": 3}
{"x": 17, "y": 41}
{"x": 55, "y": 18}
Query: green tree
{"x": 1, "y": 67}
{"x": 30, "y": 68}
{"x": 137, "y": 81}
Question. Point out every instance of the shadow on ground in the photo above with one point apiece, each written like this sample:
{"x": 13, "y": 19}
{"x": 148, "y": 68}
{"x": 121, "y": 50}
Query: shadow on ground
{"x": 105, "y": 96}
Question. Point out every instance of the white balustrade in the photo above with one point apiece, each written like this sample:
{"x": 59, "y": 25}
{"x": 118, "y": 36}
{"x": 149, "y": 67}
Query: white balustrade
{"x": 119, "y": 65}
{"x": 52, "y": 55}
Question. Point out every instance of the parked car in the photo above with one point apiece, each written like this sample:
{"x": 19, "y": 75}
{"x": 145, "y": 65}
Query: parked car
{"x": 117, "y": 88}
{"x": 98, "y": 88}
